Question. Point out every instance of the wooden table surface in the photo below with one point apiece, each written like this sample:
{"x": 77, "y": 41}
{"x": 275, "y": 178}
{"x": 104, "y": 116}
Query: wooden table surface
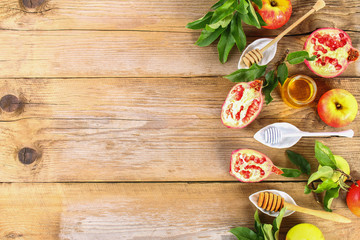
{"x": 121, "y": 113}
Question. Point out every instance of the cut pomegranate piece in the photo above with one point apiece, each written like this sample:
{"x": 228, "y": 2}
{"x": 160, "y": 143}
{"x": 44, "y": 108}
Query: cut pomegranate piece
{"x": 335, "y": 45}
{"x": 251, "y": 166}
{"x": 242, "y": 105}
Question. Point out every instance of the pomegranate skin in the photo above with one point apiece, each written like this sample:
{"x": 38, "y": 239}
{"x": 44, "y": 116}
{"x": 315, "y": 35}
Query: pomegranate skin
{"x": 333, "y": 49}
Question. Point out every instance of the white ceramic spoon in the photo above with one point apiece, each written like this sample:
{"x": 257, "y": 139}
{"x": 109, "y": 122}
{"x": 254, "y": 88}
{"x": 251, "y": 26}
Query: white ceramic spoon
{"x": 285, "y": 135}
{"x": 255, "y": 196}
{"x": 290, "y": 204}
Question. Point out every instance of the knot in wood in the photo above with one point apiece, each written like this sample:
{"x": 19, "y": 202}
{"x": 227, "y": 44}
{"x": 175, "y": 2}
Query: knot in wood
{"x": 27, "y": 155}
{"x": 9, "y": 103}
{"x": 32, "y": 3}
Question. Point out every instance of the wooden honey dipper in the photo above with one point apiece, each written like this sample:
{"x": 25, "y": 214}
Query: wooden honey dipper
{"x": 272, "y": 202}
{"x": 255, "y": 56}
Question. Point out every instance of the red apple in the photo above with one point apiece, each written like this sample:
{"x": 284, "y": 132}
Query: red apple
{"x": 337, "y": 108}
{"x": 275, "y": 12}
{"x": 353, "y": 199}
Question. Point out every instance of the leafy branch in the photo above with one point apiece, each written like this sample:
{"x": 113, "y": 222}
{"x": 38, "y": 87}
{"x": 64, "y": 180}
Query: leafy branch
{"x": 225, "y": 21}
{"x": 331, "y": 182}
{"x": 262, "y": 231}
{"x": 273, "y": 77}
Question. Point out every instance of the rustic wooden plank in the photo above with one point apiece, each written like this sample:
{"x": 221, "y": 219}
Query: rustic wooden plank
{"x": 143, "y": 130}
{"x": 156, "y": 15}
{"x": 114, "y": 54}
{"x": 149, "y": 211}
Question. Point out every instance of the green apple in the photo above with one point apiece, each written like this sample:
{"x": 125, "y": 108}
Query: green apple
{"x": 304, "y": 231}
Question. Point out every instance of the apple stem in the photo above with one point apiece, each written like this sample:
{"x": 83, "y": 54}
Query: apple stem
{"x": 348, "y": 176}
{"x": 338, "y": 106}
{"x": 273, "y": 3}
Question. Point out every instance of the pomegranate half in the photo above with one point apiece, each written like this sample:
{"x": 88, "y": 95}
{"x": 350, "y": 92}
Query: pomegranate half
{"x": 242, "y": 105}
{"x": 333, "y": 50}
{"x": 251, "y": 166}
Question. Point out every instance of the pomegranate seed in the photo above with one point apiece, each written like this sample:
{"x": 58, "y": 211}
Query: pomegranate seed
{"x": 321, "y": 40}
{"x": 236, "y": 169}
{"x": 327, "y": 59}
{"x": 315, "y": 53}
{"x": 338, "y": 67}
{"x": 239, "y": 93}
{"x": 323, "y": 63}
{"x": 252, "y": 157}
{"x": 247, "y": 159}
{"x": 317, "y": 35}
{"x": 237, "y": 116}
{"x": 335, "y": 62}
{"x": 320, "y": 48}
{"x": 341, "y": 35}
{"x": 318, "y": 55}
{"x": 343, "y": 42}
{"x": 313, "y": 40}
{"x": 316, "y": 47}
{"x": 257, "y": 160}
{"x": 324, "y": 51}
{"x": 262, "y": 172}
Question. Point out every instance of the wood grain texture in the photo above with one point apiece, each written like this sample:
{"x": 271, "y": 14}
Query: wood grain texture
{"x": 149, "y": 211}
{"x": 124, "y": 54}
{"x": 150, "y": 129}
{"x": 157, "y": 15}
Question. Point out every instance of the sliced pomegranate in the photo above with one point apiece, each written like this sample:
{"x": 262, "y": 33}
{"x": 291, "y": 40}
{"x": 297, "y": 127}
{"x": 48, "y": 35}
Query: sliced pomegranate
{"x": 333, "y": 51}
{"x": 242, "y": 105}
{"x": 251, "y": 166}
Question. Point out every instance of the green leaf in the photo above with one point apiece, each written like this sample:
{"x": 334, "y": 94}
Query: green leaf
{"x": 222, "y": 23}
{"x": 324, "y": 155}
{"x": 247, "y": 75}
{"x": 330, "y": 195}
{"x": 258, "y": 225}
{"x": 218, "y": 4}
{"x": 277, "y": 222}
{"x": 223, "y": 11}
{"x": 200, "y": 23}
{"x": 225, "y": 44}
{"x": 307, "y": 189}
{"x": 325, "y": 185}
{"x": 270, "y": 85}
{"x": 258, "y": 3}
{"x": 206, "y": 37}
{"x": 242, "y": 7}
{"x": 282, "y": 73}
{"x": 243, "y": 233}
{"x": 251, "y": 18}
{"x": 289, "y": 172}
{"x": 299, "y": 57}
{"x": 299, "y": 161}
{"x": 268, "y": 234}
{"x": 238, "y": 33}
{"x": 261, "y": 20}
{"x": 323, "y": 172}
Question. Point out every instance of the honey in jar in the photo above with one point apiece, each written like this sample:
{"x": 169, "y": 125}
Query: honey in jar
{"x": 298, "y": 91}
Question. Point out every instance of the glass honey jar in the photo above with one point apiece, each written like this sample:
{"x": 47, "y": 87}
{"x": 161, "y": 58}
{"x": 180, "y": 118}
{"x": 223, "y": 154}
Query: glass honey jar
{"x": 298, "y": 91}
